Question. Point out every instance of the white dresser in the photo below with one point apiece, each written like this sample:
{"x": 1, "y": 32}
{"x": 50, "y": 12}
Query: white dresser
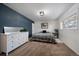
{"x": 10, "y": 41}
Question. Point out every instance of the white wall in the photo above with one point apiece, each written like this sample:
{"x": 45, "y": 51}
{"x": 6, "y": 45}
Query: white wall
{"x": 36, "y": 27}
{"x": 70, "y": 36}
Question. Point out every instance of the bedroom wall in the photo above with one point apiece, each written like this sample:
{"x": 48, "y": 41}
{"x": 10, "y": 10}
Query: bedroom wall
{"x": 70, "y": 36}
{"x": 36, "y": 27}
{"x": 9, "y": 17}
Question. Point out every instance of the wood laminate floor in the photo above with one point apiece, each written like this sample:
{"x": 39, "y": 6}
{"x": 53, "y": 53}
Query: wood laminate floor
{"x": 42, "y": 49}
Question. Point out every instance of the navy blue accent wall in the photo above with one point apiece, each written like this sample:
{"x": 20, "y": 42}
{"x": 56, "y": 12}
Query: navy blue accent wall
{"x": 9, "y": 17}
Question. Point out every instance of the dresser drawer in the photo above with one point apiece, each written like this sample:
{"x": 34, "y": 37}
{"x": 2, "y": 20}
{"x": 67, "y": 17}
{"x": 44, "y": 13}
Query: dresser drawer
{"x": 10, "y": 37}
{"x": 10, "y": 45}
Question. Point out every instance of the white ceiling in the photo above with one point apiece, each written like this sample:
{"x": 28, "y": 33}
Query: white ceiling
{"x": 31, "y": 10}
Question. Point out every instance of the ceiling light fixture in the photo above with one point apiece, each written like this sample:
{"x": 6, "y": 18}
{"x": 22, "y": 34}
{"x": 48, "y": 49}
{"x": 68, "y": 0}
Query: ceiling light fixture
{"x": 41, "y": 13}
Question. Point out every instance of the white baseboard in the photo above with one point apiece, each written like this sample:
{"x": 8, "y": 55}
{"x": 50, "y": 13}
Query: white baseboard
{"x": 71, "y": 48}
